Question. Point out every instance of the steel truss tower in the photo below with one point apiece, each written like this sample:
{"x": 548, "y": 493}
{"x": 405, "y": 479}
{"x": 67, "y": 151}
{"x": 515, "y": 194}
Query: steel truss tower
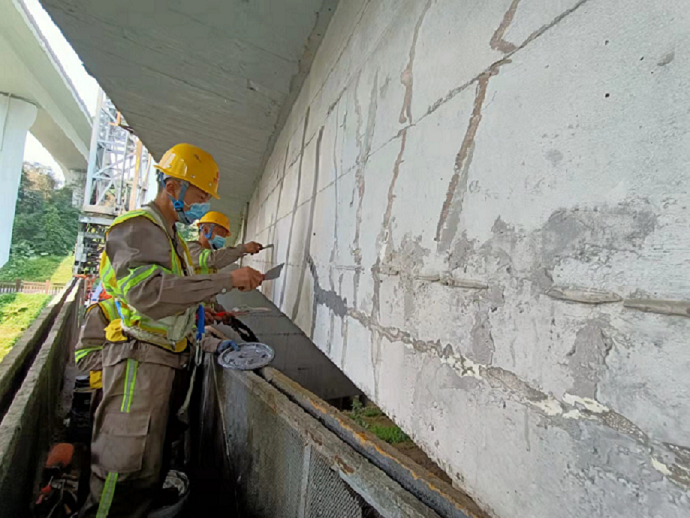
{"x": 118, "y": 178}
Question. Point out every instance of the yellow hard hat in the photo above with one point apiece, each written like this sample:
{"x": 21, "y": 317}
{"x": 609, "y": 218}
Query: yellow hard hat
{"x": 217, "y": 218}
{"x": 192, "y": 164}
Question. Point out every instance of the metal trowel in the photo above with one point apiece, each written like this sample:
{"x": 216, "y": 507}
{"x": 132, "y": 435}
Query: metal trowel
{"x": 273, "y": 273}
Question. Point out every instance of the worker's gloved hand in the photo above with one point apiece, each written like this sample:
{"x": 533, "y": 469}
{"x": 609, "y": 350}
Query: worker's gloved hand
{"x": 246, "y": 279}
{"x": 253, "y": 247}
{"x": 227, "y": 344}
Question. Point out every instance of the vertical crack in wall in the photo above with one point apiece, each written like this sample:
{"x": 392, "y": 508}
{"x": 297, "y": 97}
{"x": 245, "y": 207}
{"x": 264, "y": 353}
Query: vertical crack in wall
{"x": 460, "y": 173}
{"x": 344, "y": 322}
{"x": 310, "y": 228}
{"x": 364, "y": 152}
{"x": 294, "y": 208}
{"x": 384, "y": 240}
{"x": 406, "y": 77}
{"x": 334, "y": 247}
{"x": 274, "y": 222}
{"x": 383, "y": 244}
{"x": 536, "y": 34}
{"x": 497, "y": 42}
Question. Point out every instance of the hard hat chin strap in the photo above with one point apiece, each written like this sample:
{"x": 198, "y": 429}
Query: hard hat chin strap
{"x": 178, "y": 204}
{"x": 208, "y": 234}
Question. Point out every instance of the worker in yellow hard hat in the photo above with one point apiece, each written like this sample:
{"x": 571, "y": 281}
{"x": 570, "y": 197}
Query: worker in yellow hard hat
{"x": 147, "y": 268}
{"x": 210, "y": 254}
{"x": 210, "y": 251}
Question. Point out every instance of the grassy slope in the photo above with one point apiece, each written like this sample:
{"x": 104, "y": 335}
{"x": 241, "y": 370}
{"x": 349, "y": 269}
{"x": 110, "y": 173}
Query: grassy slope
{"x": 38, "y": 269}
{"x": 63, "y": 273}
{"x": 17, "y": 311}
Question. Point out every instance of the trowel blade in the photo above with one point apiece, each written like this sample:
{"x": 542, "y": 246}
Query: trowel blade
{"x": 273, "y": 273}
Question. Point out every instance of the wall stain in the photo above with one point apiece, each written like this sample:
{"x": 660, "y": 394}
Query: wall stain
{"x": 582, "y": 295}
{"x": 497, "y": 42}
{"x": 666, "y": 59}
{"x": 406, "y": 77}
{"x": 561, "y": 413}
{"x": 587, "y": 358}
{"x": 661, "y": 307}
{"x": 483, "y": 348}
{"x": 460, "y": 173}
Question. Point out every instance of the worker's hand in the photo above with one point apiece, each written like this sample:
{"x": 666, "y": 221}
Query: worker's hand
{"x": 227, "y": 344}
{"x": 253, "y": 247}
{"x": 209, "y": 315}
{"x": 229, "y": 315}
{"x": 246, "y": 279}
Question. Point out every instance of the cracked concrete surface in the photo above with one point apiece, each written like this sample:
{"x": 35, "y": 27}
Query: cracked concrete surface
{"x": 494, "y": 245}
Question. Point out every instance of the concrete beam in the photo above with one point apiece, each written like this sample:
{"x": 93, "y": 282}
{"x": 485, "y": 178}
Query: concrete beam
{"x": 30, "y": 70}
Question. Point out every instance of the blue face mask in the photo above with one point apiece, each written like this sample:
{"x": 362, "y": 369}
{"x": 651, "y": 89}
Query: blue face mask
{"x": 217, "y": 242}
{"x": 194, "y": 212}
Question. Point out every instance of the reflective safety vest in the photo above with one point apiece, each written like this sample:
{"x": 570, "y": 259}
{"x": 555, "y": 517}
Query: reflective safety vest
{"x": 170, "y": 332}
{"x": 109, "y": 311}
{"x": 203, "y": 263}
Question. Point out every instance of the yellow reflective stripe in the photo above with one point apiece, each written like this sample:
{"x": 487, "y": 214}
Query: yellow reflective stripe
{"x": 135, "y": 277}
{"x": 203, "y": 260}
{"x": 130, "y": 380}
{"x": 107, "y": 495}
{"x": 109, "y": 309}
{"x": 82, "y": 353}
{"x": 134, "y": 381}
{"x": 108, "y": 278}
{"x": 131, "y": 214}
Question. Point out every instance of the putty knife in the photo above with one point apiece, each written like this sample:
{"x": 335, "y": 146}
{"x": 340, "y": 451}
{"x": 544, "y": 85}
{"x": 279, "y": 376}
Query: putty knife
{"x": 273, "y": 273}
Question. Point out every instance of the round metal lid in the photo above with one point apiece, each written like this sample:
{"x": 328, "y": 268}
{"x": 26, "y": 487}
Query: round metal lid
{"x": 250, "y": 356}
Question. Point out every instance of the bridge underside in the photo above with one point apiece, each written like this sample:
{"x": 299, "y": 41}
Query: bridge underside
{"x": 221, "y": 75}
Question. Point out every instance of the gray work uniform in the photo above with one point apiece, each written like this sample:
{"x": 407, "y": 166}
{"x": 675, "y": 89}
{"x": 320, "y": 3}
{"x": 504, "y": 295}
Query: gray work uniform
{"x": 91, "y": 340}
{"x": 138, "y": 377}
{"x": 210, "y": 261}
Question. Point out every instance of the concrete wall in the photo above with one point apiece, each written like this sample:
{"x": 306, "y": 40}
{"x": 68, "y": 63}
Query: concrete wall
{"x": 483, "y": 206}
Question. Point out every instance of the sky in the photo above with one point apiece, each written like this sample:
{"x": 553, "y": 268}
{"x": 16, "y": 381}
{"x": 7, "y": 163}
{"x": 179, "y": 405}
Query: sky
{"x": 86, "y": 86}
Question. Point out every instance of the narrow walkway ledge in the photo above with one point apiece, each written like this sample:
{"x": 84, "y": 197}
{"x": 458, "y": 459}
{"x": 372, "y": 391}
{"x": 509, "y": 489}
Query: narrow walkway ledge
{"x": 15, "y": 365}
{"x": 26, "y": 429}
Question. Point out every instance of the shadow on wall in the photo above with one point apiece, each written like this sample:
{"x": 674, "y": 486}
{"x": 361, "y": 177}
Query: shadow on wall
{"x": 296, "y": 355}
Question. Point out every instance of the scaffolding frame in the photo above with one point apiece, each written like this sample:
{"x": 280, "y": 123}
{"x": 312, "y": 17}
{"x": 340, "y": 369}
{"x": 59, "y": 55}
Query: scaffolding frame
{"x": 117, "y": 180}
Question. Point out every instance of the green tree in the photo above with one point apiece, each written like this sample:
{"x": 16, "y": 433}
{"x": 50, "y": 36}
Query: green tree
{"x": 45, "y": 222}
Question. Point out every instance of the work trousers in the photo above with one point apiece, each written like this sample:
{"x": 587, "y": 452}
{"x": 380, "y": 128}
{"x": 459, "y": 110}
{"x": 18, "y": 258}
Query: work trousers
{"x": 129, "y": 435}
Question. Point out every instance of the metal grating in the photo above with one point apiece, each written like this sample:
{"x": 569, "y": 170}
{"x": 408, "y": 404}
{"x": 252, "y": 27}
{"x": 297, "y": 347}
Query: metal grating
{"x": 284, "y": 464}
{"x": 329, "y": 496}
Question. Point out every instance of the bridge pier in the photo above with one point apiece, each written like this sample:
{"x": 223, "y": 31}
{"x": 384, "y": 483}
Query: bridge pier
{"x": 16, "y": 117}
